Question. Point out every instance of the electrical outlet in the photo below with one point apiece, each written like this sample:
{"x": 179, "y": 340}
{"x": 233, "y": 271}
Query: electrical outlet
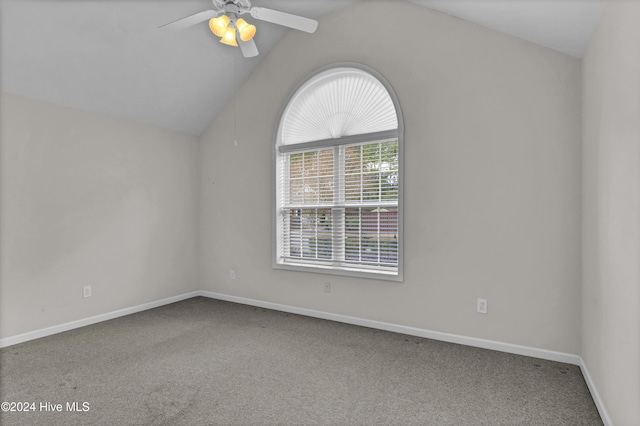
{"x": 482, "y": 306}
{"x": 232, "y": 274}
{"x": 86, "y": 291}
{"x": 327, "y": 286}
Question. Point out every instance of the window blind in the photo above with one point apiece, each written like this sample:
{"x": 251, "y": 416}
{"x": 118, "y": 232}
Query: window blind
{"x": 340, "y": 206}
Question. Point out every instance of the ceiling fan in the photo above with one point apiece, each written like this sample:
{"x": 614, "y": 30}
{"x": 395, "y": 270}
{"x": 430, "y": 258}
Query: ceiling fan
{"x": 224, "y": 21}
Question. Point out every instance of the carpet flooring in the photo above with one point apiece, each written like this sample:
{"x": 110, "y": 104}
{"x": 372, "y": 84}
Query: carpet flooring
{"x": 208, "y": 362}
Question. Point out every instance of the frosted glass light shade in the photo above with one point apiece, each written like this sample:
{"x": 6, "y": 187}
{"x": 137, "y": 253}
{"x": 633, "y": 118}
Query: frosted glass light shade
{"x": 218, "y": 26}
{"x": 246, "y": 30}
{"x": 229, "y": 37}
{"x": 335, "y": 103}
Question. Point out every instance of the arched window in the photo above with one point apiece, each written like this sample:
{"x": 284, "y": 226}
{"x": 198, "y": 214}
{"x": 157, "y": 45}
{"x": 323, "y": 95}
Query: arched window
{"x": 339, "y": 176}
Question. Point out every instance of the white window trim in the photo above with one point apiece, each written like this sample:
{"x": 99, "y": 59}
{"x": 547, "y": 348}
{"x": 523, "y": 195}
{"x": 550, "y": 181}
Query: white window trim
{"x": 395, "y": 134}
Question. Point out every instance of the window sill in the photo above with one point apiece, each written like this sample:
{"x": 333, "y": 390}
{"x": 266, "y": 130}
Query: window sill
{"x": 343, "y": 271}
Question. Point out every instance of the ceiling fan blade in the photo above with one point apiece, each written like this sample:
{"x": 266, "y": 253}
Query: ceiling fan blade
{"x": 249, "y": 49}
{"x": 188, "y": 21}
{"x": 285, "y": 19}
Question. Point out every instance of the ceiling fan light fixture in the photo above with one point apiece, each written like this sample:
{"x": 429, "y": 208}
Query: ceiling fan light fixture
{"x": 229, "y": 37}
{"x": 246, "y": 30}
{"x": 219, "y": 25}
{"x": 224, "y": 19}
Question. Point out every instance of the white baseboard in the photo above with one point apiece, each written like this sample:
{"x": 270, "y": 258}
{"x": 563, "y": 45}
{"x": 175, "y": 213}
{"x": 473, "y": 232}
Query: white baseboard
{"x": 413, "y": 331}
{"x": 25, "y": 337}
{"x": 436, "y": 335}
{"x": 604, "y": 414}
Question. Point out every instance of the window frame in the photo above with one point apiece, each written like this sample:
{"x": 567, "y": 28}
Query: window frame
{"x": 278, "y": 148}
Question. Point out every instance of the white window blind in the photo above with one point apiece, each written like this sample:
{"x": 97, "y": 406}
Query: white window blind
{"x": 341, "y": 102}
{"x": 338, "y": 177}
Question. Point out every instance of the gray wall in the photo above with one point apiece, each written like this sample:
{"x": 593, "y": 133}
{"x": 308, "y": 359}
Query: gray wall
{"x": 91, "y": 200}
{"x": 611, "y": 225}
{"x": 492, "y": 179}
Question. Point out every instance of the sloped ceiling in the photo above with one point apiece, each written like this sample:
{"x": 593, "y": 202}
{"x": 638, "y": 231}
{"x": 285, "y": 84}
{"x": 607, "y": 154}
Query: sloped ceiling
{"x": 109, "y": 57}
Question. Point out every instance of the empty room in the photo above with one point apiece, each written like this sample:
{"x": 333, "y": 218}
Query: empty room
{"x": 330, "y": 212}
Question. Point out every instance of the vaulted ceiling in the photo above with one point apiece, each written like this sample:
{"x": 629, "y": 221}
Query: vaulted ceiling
{"x": 107, "y": 56}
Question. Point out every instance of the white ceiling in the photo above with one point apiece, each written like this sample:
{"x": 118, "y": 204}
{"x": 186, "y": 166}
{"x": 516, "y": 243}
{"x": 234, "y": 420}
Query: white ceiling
{"x": 108, "y": 56}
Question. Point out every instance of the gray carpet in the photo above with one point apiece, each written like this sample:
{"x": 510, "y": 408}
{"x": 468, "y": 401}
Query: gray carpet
{"x": 208, "y": 362}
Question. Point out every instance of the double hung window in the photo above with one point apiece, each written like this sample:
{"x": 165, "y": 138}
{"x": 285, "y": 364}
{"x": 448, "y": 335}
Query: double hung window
{"x": 338, "y": 177}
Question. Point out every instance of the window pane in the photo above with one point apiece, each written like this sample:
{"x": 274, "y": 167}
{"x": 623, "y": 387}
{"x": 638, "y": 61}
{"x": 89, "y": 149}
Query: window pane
{"x": 326, "y": 175}
{"x": 371, "y": 172}
{"x": 371, "y": 187}
{"x": 389, "y": 170}
{"x": 371, "y": 235}
{"x": 296, "y": 182}
{"x": 311, "y": 177}
{"x": 353, "y": 173}
{"x": 310, "y": 233}
{"x": 389, "y": 236}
